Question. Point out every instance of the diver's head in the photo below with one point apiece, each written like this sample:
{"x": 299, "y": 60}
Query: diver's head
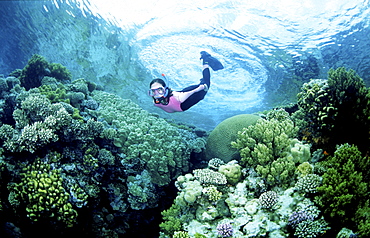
{"x": 158, "y": 89}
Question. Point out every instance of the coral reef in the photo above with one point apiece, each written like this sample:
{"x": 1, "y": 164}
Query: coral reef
{"x": 308, "y": 183}
{"x": 225, "y": 230}
{"x": 270, "y": 147}
{"x": 334, "y": 111}
{"x": 239, "y": 213}
{"x": 37, "y": 68}
{"x": 42, "y": 192}
{"x": 161, "y": 149}
{"x": 208, "y": 176}
{"x": 344, "y": 189}
{"x": 218, "y": 142}
{"x": 310, "y": 228}
{"x": 268, "y": 199}
{"x": 80, "y": 160}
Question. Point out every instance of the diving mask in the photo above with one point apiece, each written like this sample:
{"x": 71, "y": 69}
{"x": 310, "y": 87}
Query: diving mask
{"x": 158, "y": 92}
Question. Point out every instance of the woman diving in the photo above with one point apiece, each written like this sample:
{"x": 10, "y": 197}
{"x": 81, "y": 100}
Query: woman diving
{"x": 179, "y": 101}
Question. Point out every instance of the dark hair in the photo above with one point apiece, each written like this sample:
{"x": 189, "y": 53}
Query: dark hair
{"x": 158, "y": 80}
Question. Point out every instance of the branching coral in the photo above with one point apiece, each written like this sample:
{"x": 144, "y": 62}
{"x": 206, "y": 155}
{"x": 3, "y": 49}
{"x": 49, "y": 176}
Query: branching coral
{"x": 335, "y": 111}
{"x": 308, "y": 183}
{"x": 37, "y": 121}
{"x": 267, "y": 147}
{"x": 344, "y": 188}
{"x": 38, "y": 67}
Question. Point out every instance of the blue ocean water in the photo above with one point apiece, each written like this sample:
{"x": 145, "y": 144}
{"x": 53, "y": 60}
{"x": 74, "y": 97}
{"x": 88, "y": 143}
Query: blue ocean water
{"x": 269, "y": 48}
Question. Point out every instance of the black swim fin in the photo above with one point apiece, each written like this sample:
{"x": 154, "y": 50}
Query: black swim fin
{"x": 211, "y": 61}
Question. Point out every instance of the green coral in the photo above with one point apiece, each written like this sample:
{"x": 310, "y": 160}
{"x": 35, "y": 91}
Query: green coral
{"x": 268, "y": 146}
{"x": 171, "y": 220}
{"x": 344, "y": 189}
{"x": 181, "y": 234}
{"x": 232, "y": 171}
{"x": 212, "y": 193}
{"x": 218, "y": 142}
{"x": 37, "y": 68}
{"x": 37, "y": 121}
{"x": 59, "y": 94}
{"x": 33, "y": 72}
{"x": 59, "y": 72}
{"x": 310, "y": 228}
{"x": 362, "y": 218}
{"x": 42, "y": 192}
{"x": 162, "y": 149}
{"x": 304, "y": 169}
{"x": 335, "y": 111}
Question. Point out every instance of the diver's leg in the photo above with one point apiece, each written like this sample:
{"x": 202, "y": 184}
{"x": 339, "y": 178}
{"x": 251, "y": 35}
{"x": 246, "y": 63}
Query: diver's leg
{"x": 198, "y": 96}
{"x": 206, "y": 76}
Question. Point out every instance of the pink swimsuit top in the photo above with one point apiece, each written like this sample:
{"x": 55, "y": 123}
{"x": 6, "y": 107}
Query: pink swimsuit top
{"x": 172, "y": 106}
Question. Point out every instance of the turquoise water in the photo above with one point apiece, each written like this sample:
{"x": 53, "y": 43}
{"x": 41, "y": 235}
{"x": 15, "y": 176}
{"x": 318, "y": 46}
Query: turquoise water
{"x": 268, "y": 48}
{"x": 119, "y": 168}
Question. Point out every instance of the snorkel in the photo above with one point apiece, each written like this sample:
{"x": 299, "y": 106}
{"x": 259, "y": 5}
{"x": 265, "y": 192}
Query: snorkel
{"x": 159, "y": 94}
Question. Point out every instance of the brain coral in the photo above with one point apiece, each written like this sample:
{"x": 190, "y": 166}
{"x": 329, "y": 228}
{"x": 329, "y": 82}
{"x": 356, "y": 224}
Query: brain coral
{"x": 219, "y": 140}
